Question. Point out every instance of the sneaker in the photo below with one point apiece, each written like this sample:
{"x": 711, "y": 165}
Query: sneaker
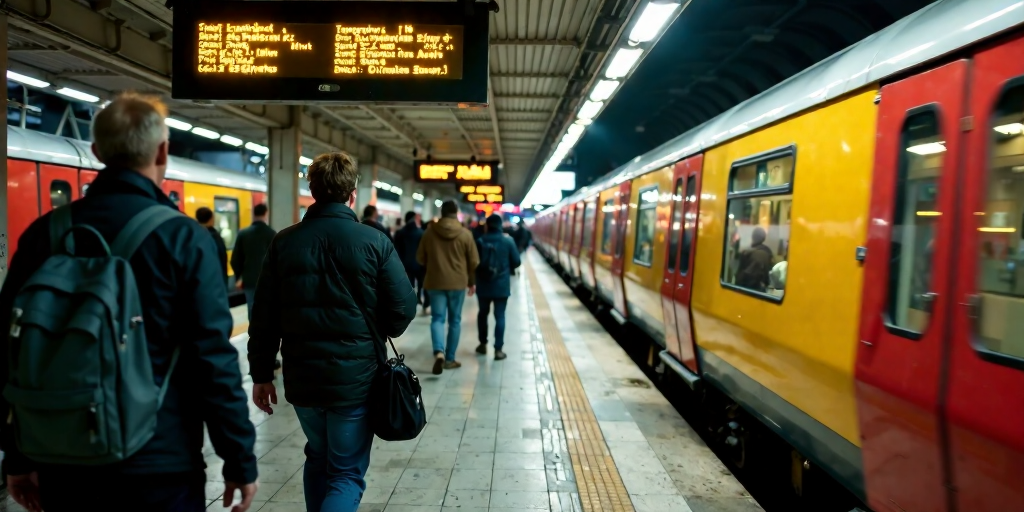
{"x": 450, "y": 365}
{"x": 438, "y": 363}
{"x": 499, "y": 355}
{"x": 482, "y": 349}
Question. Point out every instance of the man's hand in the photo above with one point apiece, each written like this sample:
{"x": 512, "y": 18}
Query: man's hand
{"x": 248, "y": 491}
{"x": 238, "y": 283}
{"x": 263, "y": 395}
{"x": 472, "y": 290}
{"x": 25, "y": 490}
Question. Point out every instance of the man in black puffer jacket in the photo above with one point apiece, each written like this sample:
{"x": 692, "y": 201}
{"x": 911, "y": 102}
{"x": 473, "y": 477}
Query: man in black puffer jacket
{"x": 317, "y": 279}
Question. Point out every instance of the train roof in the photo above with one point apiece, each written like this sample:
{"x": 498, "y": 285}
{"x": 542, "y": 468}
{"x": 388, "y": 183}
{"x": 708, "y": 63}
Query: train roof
{"x": 52, "y": 149}
{"x": 930, "y": 33}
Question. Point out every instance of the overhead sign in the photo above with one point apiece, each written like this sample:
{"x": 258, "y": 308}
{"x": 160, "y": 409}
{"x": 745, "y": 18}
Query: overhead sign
{"x": 456, "y": 172}
{"x": 418, "y": 52}
{"x": 484, "y": 198}
{"x": 482, "y": 189}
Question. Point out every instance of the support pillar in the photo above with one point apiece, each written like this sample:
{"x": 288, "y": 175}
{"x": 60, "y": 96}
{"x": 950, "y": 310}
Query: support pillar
{"x": 366, "y": 193}
{"x": 405, "y": 200}
{"x": 283, "y": 172}
{"x": 4, "y": 236}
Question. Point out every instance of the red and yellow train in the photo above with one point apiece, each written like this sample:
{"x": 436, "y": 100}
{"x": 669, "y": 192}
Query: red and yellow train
{"x": 891, "y": 176}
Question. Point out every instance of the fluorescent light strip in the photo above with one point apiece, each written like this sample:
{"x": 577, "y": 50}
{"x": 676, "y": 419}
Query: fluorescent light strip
{"x": 178, "y": 125}
{"x": 1010, "y": 129}
{"x": 604, "y": 90}
{"x": 651, "y": 21}
{"x": 623, "y": 62}
{"x": 305, "y": 161}
{"x": 930, "y": 148}
{"x": 252, "y": 146}
{"x": 417, "y": 196}
{"x": 27, "y": 80}
{"x": 590, "y": 109}
{"x": 234, "y": 141}
{"x": 78, "y": 95}
{"x": 203, "y": 132}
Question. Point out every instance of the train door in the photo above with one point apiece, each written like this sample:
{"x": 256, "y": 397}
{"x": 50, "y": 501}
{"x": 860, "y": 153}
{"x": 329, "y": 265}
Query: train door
{"x": 907, "y": 283}
{"x": 677, "y": 285}
{"x": 175, "y": 190}
{"x": 22, "y": 200}
{"x": 577, "y": 240}
{"x": 85, "y": 178}
{"x": 587, "y": 244}
{"x": 618, "y": 263}
{"x": 985, "y": 382}
{"x": 58, "y": 186}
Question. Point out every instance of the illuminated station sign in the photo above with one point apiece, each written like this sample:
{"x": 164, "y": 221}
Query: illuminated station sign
{"x": 483, "y": 193}
{"x": 310, "y": 51}
{"x": 455, "y": 172}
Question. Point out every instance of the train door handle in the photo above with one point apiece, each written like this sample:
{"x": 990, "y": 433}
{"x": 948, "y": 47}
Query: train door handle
{"x": 681, "y": 285}
{"x": 929, "y": 300}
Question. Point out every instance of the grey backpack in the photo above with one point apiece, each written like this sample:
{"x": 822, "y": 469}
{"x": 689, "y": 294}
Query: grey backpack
{"x": 81, "y": 384}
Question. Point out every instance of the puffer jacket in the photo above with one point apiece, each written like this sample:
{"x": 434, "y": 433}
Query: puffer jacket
{"x": 448, "y": 251}
{"x": 306, "y": 305}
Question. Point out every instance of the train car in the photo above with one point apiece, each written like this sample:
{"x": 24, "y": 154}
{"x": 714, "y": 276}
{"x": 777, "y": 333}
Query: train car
{"x": 47, "y": 171}
{"x": 891, "y": 175}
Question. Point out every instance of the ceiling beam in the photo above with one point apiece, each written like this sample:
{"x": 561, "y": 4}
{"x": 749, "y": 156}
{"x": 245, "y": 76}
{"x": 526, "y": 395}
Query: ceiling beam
{"x": 347, "y": 122}
{"x": 394, "y": 124}
{"x": 535, "y": 42}
{"x": 465, "y": 135}
{"x": 529, "y": 75}
{"x": 528, "y": 96}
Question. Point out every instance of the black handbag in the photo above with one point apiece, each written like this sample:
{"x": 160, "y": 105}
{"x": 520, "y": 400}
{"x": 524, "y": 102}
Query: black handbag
{"x": 396, "y": 401}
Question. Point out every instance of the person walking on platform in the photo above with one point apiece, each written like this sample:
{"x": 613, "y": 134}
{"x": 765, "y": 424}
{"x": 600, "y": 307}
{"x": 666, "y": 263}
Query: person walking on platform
{"x": 499, "y": 258}
{"x": 324, "y": 282}
{"x": 372, "y": 218}
{"x": 448, "y": 252}
{"x": 204, "y": 216}
{"x": 247, "y": 258}
{"x": 407, "y": 241}
{"x": 143, "y": 446}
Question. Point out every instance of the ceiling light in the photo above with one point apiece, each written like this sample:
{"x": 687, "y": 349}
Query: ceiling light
{"x": 417, "y": 196}
{"x": 623, "y": 62}
{"x": 604, "y": 90}
{"x": 234, "y": 141}
{"x": 930, "y": 148}
{"x": 27, "y": 80}
{"x": 78, "y": 95}
{"x": 584, "y": 122}
{"x": 1010, "y": 129}
{"x": 438, "y": 203}
{"x": 255, "y": 159}
{"x": 575, "y": 129}
{"x": 651, "y": 22}
{"x": 305, "y": 161}
{"x": 396, "y": 190}
{"x": 252, "y": 146}
{"x": 178, "y": 125}
{"x": 203, "y": 132}
{"x": 590, "y": 109}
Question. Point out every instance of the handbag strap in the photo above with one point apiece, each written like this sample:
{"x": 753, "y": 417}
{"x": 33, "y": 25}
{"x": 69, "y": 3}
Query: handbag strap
{"x": 378, "y": 346}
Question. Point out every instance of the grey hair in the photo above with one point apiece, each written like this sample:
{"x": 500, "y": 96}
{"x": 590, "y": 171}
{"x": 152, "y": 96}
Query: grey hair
{"x": 129, "y": 131}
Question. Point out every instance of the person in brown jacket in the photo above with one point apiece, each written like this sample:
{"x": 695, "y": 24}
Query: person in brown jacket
{"x": 448, "y": 252}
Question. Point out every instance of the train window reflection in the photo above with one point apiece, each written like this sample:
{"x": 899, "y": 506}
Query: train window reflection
{"x": 1001, "y": 228}
{"x": 225, "y": 219}
{"x": 608, "y": 214}
{"x": 588, "y": 233}
{"x": 646, "y": 221}
{"x": 302, "y": 212}
{"x": 767, "y": 173}
{"x": 676, "y": 227}
{"x": 915, "y": 221}
{"x": 60, "y": 193}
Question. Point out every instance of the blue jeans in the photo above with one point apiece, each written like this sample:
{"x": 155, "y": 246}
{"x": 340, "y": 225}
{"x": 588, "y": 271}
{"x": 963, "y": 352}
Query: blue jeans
{"x": 446, "y": 303}
{"x": 250, "y": 296}
{"x": 499, "y": 320}
{"x": 337, "y": 456}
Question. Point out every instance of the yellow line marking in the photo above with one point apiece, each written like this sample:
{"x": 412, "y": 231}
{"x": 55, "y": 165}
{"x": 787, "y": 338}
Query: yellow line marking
{"x": 240, "y": 329}
{"x": 597, "y": 478}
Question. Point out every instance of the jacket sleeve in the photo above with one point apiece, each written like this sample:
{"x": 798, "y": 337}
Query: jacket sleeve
{"x": 264, "y": 327}
{"x": 238, "y": 255}
{"x": 472, "y": 259}
{"x": 514, "y": 260}
{"x": 396, "y": 299}
{"x": 223, "y": 401}
{"x": 421, "y": 249}
{"x": 26, "y": 260}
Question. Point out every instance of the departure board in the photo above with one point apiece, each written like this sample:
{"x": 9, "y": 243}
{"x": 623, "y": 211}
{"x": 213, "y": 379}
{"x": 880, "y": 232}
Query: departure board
{"x": 309, "y": 51}
{"x": 429, "y": 171}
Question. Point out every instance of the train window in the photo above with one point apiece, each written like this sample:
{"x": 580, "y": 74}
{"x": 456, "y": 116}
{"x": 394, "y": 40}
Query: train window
{"x": 302, "y": 212}
{"x": 689, "y": 224}
{"x": 607, "y": 226}
{"x": 588, "y": 232}
{"x": 1001, "y": 229}
{"x": 915, "y": 222}
{"x": 225, "y": 219}
{"x": 676, "y": 227}
{"x": 60, "y": 193}
{"x": 175, "y": 198}
{"x": 757, "y": 230}
{"x": 646, "y": 220}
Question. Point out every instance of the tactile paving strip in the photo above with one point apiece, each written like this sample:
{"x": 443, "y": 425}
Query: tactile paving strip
{"x": 600, "y": 486}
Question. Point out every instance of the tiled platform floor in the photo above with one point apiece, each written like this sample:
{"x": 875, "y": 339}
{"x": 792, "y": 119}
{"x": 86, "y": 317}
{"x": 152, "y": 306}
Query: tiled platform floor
{"x": 495, "y": 440}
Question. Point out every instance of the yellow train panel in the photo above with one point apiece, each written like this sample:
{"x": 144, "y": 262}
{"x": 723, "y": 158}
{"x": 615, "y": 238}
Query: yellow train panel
{"x": 650, "y": 204}
{"x": 232, "y": 209}
{"x": 802, "y": 348}
{"x": 604, "y": 242}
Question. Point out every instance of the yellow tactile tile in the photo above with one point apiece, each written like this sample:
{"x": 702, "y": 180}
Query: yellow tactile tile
{"x": 597, "y": 478}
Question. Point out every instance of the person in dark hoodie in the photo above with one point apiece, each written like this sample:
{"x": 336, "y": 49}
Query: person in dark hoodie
{"x": 448, "y": 252}
{"x": 755, "y": 263}
{"x": 499, "y": 258}
{"x": 204, "y": 216}
{"x": 407, "y": 241}
{"x": 372, "y": 218}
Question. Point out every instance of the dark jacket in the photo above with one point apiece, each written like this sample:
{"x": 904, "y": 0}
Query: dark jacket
{"x": 250, "y": 249}
{"x": 375, "y": 224}
{"x": 185, "y": 303}
{"x": 449, "y": 253}
{"x": 306, "y": 306}
{"x": 506, "y": 259}
{"x": 755, "y": 264}
{"x": 222, "y": 252}
{"x": 407, "y": 240}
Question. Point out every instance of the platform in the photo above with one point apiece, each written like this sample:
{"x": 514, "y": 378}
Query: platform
{"x": 566, "y": 423}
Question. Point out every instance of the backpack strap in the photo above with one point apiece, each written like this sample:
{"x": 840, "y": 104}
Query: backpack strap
{"x": 60, "y": 223}
{"x": 140, "y": 227}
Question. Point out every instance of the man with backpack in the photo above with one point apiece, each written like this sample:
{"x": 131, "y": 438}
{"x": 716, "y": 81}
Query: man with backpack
{"x": 499, "y": 257}
{"x": 117, "y": 350}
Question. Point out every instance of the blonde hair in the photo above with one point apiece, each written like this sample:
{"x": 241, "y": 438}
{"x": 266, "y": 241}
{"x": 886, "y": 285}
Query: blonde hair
{"x": 332, "y": 177}
{"x": 129, "y": 131}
